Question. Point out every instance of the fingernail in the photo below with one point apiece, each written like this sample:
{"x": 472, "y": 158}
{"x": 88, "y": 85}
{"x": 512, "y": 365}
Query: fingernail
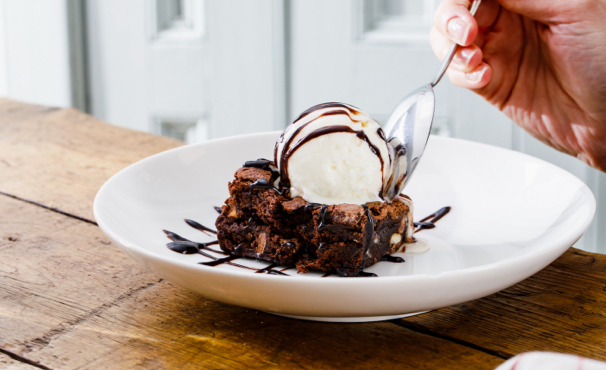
{"x": 466, "y": 55}
{"x": 476, "y": 76}
{"x": 458, "y": 29}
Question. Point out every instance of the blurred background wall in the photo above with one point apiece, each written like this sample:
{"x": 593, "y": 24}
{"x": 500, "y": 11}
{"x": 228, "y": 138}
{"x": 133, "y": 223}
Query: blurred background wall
{"x": 201, "y": 69}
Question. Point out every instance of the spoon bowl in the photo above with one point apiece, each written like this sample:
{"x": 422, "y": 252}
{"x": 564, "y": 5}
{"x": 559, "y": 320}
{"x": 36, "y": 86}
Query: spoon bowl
{"x": 408, "y": 130}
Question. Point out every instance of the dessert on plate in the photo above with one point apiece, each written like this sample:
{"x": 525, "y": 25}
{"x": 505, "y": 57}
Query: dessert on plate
{"x": 319, "y": 204}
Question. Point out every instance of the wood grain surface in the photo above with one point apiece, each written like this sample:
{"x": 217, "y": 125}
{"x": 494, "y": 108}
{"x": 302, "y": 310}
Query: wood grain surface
{"x": 562, "y": 309}
{"x": 60, "y": 157}
{"x": 8, "y": 363}
{"x": 70, "y": 300}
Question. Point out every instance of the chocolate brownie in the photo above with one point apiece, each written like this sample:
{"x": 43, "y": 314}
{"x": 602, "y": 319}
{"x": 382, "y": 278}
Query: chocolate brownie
{"x": 259, "y": 221}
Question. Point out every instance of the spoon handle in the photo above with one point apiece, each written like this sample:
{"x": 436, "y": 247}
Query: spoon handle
{"x": 453, "y": 49}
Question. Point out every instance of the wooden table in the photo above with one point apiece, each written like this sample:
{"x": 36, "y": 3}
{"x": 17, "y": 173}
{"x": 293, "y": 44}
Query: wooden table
{"x": 69, "y": 299}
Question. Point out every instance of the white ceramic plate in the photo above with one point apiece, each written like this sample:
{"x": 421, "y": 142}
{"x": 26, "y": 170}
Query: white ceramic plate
{"x": 511, "y": 216}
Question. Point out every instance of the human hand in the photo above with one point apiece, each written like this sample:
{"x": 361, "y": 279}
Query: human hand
{"x": 542, "y": 62}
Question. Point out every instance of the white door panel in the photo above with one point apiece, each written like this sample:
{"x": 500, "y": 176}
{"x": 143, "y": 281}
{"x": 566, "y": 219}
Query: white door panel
{"x": 34, "y": 52}
{"x": 117, "y": 62}
{"x": 189, "y": 68}
{"x": 247, "y": 66}
{"x": 145, "y": 74}
{"x": 176, "y": 79}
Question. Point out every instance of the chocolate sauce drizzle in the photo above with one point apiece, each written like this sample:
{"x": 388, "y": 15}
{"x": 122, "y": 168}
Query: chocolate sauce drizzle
{"x": 289, "y": 149}
{"x": 362, "y": 273}
{"x": 264, "y": 164}
{"x": 351, "y": 108}
{"x": 269, "y": 270}
{"x": 370, "y": 234}
{"x": 393, "y": 259}
{"x": 264, "y": 184}
{"x": 429, "y": 221}
{"x": 323, "y": 224}
{"x": 182, "y": 245}
{"x": 204, "y": 229}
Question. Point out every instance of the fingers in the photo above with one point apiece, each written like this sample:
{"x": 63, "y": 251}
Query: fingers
{"x": 467, "y": 68}
{"x": 466, "y": 59}
{"x": 454, "y": 21}
{"x": 475, "y": 79}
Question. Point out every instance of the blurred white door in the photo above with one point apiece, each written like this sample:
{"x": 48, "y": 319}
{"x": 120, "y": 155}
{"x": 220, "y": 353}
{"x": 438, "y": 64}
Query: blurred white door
{"x": 190, "y": 69}
{"x": 35, "y": 63}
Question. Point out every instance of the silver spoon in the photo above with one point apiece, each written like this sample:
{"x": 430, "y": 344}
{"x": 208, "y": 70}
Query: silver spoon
{"x": 409, "y": 125}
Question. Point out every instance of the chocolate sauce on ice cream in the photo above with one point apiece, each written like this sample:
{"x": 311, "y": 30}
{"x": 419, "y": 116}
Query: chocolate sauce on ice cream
{"x": 333, "y": 153}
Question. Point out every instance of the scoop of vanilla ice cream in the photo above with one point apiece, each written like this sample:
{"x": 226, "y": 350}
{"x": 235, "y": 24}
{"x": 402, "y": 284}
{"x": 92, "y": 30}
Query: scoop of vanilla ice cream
{"x": 332, "y": 154}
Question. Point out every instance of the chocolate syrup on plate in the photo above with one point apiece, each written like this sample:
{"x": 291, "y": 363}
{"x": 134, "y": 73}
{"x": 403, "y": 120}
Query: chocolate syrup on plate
{"x": 182, "y": 245}
{"x": 202, "y": 228}
{"x": 362, "y": 273}
{"x": 429, "y": 221}
{"x": 269, "y": 270}
{"x": 390, "y": 258}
